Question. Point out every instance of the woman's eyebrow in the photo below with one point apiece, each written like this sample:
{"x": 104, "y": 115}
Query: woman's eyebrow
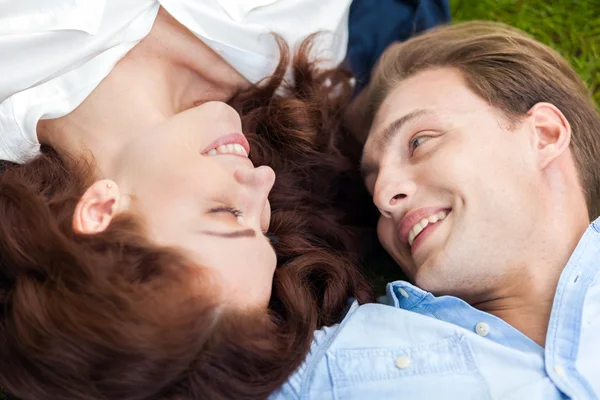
{"x": 236, "y": 234}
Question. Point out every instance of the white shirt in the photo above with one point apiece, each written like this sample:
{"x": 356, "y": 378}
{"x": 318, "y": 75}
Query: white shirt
{"x": 54, "y": 53}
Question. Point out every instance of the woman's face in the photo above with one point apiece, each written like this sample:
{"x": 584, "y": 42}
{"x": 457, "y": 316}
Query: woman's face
{"x": 191, "y": 181}
{"x": 147, "y": 134}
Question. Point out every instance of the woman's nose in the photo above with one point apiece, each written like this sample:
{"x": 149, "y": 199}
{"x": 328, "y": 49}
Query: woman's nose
{"x": 257, "y": 184}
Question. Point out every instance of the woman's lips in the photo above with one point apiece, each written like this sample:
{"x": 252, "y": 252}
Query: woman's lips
{"x": 232, "y": 138}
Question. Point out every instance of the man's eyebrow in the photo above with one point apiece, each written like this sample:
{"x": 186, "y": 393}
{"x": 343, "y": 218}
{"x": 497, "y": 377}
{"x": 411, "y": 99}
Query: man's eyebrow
{"x": 235, "y": 234}
{"x": 389, "y": 132}
{"x": 386, "y": 135}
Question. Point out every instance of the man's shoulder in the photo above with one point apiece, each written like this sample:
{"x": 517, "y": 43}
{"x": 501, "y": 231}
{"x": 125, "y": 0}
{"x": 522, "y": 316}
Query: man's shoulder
{"x": 378, "y": 348}
{"x": 372, "y": 337}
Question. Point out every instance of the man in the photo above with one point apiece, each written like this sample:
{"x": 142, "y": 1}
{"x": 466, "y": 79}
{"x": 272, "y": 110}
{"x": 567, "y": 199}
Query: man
{"x": 482, "y": 157}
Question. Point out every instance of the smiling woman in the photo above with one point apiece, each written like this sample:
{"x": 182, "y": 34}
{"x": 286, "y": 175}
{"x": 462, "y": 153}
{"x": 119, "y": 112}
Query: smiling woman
{"x": 150, "y": 276}
{"x": 202, "y": 203}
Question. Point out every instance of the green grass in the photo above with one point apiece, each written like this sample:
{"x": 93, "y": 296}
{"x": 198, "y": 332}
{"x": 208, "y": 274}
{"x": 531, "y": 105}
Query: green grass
{"x": 572, "y": 27}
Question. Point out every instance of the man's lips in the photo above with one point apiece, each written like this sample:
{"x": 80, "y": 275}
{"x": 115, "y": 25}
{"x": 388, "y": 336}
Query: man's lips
{"x": 411, "y": 218}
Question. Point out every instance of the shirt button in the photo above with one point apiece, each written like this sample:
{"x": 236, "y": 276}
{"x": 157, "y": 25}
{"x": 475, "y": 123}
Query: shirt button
{"x": 402, "y": 362}
{"x": 560, "y": 371}
{"x": 482, "y": 329}
{"x": 403, "y": 292}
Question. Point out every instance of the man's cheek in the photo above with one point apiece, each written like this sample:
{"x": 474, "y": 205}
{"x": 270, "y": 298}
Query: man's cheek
{"x": 386, "y": 233}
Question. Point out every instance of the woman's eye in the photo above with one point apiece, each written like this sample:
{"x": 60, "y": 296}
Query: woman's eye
{"x": 416, "y": 142}
{"x": 238, "y": 214}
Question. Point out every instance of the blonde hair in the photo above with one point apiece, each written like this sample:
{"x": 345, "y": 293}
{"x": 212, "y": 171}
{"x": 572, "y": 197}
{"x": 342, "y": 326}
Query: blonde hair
{"x": 511, "y": 71}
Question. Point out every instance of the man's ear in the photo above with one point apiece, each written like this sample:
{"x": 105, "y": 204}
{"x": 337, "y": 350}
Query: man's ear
{"x": 96, "y": 208}
{"x": 552, "y": 132}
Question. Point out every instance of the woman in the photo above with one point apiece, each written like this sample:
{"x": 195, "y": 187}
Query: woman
{"x": 61, "y": 51}
{"x": 150, "y": 276}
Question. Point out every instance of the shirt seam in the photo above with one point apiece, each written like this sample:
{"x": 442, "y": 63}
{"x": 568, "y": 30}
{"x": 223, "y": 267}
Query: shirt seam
{"x": 310, "y": 370}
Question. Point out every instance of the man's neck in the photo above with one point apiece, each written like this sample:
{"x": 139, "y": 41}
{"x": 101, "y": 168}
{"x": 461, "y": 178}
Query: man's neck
{"x": 525, "y": 300}
{"x": 526, "y": 307}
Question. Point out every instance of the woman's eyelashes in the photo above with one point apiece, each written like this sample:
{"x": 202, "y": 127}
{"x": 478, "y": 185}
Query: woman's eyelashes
{"x": 235, "y": 212}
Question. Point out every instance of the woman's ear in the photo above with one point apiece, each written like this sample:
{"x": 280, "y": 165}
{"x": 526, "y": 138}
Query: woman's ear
{"x": 96, "y": 208}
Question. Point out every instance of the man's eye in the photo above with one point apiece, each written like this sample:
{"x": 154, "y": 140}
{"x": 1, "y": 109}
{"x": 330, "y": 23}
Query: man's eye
{"x": 416, "y": 142}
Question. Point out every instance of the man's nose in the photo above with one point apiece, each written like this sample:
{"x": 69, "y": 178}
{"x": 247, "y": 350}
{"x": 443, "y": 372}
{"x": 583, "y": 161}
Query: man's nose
{"x": 391, "y": 192}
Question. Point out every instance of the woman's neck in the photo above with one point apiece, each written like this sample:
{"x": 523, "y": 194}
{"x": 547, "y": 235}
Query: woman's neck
{"x": 169, "y": 71}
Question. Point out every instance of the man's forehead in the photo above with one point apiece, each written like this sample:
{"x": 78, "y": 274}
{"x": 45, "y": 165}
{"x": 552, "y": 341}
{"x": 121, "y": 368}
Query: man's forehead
{"x": 430, "y": 93}
{"x": 424, "y": 89}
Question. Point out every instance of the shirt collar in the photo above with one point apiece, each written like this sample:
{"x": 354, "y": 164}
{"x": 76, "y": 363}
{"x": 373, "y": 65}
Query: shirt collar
{"x": 404, "y": 295}
{"x": 583, "y": 265}
{"x": 458, "y": 312}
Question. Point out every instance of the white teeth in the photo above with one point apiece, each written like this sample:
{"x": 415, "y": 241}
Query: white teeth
{"x": 239, "y": 149}
{"x": 433, "y": 219}
{"x": 411, "y": 237}
{"x": 418, "y": 228}
{"x": 228, "y": 149}
{"x": 422, "y": 224}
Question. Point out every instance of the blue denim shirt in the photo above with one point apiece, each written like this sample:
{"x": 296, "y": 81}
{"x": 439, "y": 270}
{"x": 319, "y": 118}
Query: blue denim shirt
{"x": 426, "y": 347}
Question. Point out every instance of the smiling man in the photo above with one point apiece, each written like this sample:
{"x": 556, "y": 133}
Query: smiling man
{"x": 482, "y": 158}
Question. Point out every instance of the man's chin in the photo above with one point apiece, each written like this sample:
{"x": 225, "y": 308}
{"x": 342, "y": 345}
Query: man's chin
{"x": 428, "y": 274}
{"x": 437, "y": 277}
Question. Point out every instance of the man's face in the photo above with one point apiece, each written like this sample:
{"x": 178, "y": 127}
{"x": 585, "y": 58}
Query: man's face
{"x": 456, "y": 185}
